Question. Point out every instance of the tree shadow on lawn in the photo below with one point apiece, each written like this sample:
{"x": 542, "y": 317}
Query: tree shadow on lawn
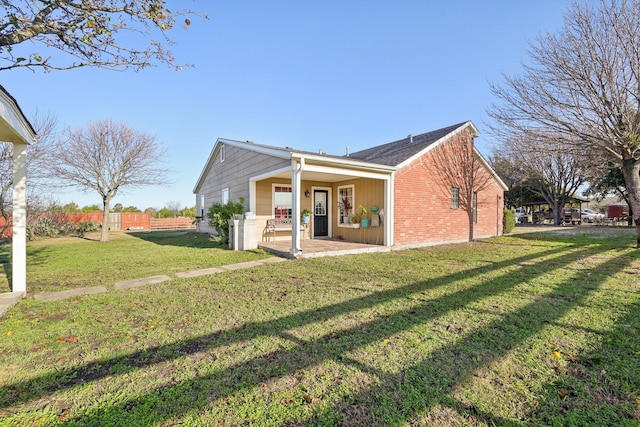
{"x": 598, "y": 387}
{"x": 395, "y": 398}
{"x": 402, "y": 397}
{"x": 185, "y": 238}
{"x": 34, "y": 256}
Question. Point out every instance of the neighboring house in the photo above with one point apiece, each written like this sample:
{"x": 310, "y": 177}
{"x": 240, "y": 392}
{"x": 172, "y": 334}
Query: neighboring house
{"x": 421, "y": 200}
{"x": 16, "y": 129}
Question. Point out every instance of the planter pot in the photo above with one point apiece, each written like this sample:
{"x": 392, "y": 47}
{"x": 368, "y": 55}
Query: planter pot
{"x": 365, "y": 222}
{"x": 306, "y": 219}
{"x": 374, "y": 209}
{"x": 356, "y": 226}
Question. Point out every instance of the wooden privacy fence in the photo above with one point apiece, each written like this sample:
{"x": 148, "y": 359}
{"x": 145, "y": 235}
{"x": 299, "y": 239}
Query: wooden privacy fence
{"x": 120, "y": 221}
{"x": 165, "y": 223}
{"x": 134, "y": 221}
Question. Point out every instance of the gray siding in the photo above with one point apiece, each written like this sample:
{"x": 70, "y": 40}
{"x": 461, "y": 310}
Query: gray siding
{"x": 234, "y": 173}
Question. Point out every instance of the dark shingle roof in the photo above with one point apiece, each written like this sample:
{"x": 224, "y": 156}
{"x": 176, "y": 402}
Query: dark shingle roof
{"x": 394, "y": 153}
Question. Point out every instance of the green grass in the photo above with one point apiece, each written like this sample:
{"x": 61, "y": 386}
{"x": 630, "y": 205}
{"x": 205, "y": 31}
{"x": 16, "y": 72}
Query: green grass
{"x": 522, "y": 330}
{"x": 70, "y": 262}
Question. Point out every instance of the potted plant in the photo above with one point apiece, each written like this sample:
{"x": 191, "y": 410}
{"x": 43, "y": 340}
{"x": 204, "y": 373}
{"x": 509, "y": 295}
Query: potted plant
{"x": 364, "y": 215}
{"x": 346, "y": 208}
{"x": 359, "y": 217}
{"x": 306, "y": 215}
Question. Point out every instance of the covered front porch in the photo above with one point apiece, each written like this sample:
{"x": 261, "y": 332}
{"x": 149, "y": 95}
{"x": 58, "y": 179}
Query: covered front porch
{"x": 329, "y": 191}
{"x": 315, "y": 248}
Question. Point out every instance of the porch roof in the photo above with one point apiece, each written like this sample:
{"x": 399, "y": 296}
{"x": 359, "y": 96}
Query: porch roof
{"x": 14, "y": 126}
{"x": 320, "y": 166}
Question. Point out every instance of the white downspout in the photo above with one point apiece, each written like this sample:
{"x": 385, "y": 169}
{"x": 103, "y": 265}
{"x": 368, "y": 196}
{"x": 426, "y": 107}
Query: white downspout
{"x": 297, "y": 169}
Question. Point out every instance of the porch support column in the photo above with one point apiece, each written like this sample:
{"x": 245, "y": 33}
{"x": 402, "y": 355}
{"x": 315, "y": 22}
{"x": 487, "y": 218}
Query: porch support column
{"x": 388, "y": 216}
{"x": 252, "y": 196}
{"x": 19, "y": 240}
{"x": 296, "y": 174}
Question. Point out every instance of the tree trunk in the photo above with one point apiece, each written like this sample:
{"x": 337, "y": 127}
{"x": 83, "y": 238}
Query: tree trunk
{"x": 104, "y": 236}
{"x": 558, "y": 212}
{"x": 631, "y": 172}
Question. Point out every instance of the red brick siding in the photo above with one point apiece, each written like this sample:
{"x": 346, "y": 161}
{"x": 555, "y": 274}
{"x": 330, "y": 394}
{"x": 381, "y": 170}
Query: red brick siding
{"x": 423, "y": 213}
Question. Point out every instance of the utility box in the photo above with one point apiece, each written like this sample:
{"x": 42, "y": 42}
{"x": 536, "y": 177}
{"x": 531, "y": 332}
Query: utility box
{"x": 243, "y": 233}
{"x": 247, "y": 235}
{"x": 234, "y": 225}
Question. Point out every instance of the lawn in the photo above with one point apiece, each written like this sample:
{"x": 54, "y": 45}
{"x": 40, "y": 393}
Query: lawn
{"x": 522, "y": 330}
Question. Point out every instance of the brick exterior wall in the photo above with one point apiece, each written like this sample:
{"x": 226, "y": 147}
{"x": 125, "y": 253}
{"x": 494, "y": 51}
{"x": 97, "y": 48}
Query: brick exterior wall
{"x": 422, "y": 212}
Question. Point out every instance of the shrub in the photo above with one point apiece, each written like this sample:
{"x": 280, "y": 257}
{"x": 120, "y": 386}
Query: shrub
{"x": 508, "y": 221}
{"x": 87, "y": 226}
{"x": 52, "y": 224}
{"x": 219, "y": 214}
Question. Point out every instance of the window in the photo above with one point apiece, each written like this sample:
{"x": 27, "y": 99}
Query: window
{"x": 475, "y": 207}
{"x": 222, "y": 153}
{"x": 282, "y": 201}
{"x": 345, "y": 204}
{"x": 455, "y": 197}
{"x": 202, "y": 205}
{"x": 225, "y": 196}
{"x": 320, "y": 208}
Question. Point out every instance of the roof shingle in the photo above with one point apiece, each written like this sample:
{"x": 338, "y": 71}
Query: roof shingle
{"x": 394, "y": 153}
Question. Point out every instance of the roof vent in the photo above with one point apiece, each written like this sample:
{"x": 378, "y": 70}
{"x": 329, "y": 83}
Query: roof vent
{"x": 347, "y": 151}
{"x": 410, "y": 138}
{"x": 320, "y": 152}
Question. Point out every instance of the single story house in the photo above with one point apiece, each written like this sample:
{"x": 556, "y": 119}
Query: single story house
{"x": 16, "y": 129}
{"x": 421, "y": 190}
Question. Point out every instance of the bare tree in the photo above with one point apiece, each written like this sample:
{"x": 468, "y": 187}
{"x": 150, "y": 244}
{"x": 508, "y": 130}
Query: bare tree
{"x": 38, "y": 156}
{"x": 582, "y": 89}
{"x": 174, "y": 206}
{"x": 113, "y": 34}
{"x": 107, "y": 157}
{"x": 553, "y": 170}
{"x": 460, "y": 166}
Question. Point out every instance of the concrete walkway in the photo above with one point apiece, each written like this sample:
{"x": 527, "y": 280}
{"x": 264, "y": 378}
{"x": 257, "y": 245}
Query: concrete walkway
{"x": 9, "y": 299}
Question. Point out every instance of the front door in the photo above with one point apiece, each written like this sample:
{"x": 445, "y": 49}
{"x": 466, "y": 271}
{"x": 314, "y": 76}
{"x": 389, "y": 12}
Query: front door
{"x": 320, "y": 213}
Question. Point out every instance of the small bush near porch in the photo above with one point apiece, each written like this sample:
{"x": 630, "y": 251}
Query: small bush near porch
{"x": 528, "y": 329}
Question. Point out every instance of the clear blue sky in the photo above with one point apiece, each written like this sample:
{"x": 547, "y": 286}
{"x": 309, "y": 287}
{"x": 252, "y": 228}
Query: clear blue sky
{"x": 309, "y": 75}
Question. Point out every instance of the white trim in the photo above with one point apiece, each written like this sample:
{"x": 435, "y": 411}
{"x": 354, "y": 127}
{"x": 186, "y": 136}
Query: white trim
{"x": 353, "y": 200}
{"x": 329, "y": 210}
{"x": 270, "y": 174}
{"x": 490, "y": 169}
{"x": 474, "y": 133}
{"x": 345, "y": 171}
{"x": 389, "y": 214}
{"x": 273, "y": 199}
{"x": 16, "y": 123}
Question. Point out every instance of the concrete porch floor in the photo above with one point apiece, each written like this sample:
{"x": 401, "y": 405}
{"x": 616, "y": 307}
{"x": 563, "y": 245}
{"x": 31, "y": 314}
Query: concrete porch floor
{"x": 313, "y": 248}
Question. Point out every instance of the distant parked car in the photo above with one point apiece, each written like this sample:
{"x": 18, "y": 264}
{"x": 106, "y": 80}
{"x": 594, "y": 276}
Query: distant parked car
{"x": 590, "y": 215}
{"x": 520, "y": 215}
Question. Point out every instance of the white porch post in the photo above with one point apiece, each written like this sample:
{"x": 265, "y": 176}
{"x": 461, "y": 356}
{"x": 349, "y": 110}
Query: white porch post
{"x": 19, "y": 258}
{"x": 295, "y": 211}
{"x": 388, "y": 217}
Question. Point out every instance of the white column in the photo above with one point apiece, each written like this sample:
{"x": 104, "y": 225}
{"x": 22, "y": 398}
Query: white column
{"x": 19, "y": 258}
{"x": 388, "y": 209}
{"x": 295, "y": 211}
